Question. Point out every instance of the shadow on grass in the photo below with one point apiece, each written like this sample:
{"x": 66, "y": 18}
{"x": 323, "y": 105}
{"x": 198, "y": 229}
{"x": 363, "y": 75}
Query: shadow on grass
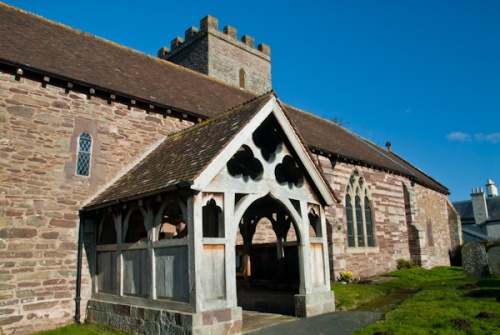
{"x": 488, "y": 283}
{"x": 484, "y": 294}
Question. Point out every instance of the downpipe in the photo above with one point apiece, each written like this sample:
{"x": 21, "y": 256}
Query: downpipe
{"x": 78, "y": 297}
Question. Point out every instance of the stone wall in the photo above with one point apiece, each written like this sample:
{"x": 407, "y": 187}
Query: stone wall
{"x": 222, "y": 56}
{"x": 226, "y": 58}
{"x": 392, "y": 217}
{"x": 440, "y": 226}
{"x": 40, "y": 196}
{"x": 141, "y": 320}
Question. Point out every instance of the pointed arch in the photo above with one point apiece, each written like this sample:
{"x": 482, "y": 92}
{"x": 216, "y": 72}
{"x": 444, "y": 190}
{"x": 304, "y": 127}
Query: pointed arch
{"x": 359, "y": 212}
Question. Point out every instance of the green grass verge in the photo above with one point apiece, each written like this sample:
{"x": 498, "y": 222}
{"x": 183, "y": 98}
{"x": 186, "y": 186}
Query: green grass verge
{"x": 439, "y": 301}
{"x": 84, "y": 329}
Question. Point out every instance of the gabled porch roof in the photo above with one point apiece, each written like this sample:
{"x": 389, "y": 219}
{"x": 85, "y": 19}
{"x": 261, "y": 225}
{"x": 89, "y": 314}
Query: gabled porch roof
{"x": 183, "y": 159}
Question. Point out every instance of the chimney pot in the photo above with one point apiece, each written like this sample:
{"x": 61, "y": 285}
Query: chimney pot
{"x": 491, "y": 188}
{"x": 388, "y": 145}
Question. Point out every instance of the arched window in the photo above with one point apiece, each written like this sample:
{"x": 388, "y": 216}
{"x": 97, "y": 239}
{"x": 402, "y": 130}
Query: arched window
{"x": 136, "y": 231}
{"x": 213, "y": 224}
{"x": 350, "y": 224}
{"x": 107, "y": 231}
{"x": 368, "y": 222}
{"x": 358, "y": 213}
{"x": 243, "y": 79}
{"x": 84, "y": 149}
{"x": 360, "y": 235}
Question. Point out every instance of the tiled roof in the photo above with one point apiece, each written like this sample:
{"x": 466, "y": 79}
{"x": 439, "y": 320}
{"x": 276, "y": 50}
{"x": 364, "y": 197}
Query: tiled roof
{"x": 326, "y": 136}
{"x": 181, "y": 156}
{"x": 37, "y": 44}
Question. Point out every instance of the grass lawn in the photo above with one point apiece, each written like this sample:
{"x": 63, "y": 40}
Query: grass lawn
{"x": 84, "y": 329}
{"x": 445, "y": 302}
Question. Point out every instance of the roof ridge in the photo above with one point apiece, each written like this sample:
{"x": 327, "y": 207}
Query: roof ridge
{"x": 381, "y": 151}
{"x": 218, "y": 116}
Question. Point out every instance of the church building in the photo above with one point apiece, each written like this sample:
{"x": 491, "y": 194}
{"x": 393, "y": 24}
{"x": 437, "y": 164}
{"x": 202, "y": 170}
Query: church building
{"x": 171, "y": 193}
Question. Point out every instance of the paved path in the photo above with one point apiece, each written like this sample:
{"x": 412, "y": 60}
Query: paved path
{"x": 338, "y": 323}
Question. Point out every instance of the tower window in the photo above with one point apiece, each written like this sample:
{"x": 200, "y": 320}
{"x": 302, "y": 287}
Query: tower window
{"x": 84, "y": 149}
{"x": 243, "y": 79}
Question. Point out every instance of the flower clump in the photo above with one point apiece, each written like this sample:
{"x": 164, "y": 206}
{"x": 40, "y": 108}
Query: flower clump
{"x": 348, "y": 277}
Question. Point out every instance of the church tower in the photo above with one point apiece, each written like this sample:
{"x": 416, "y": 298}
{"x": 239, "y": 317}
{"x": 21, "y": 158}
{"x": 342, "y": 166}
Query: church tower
{"x": 222, "y": 56}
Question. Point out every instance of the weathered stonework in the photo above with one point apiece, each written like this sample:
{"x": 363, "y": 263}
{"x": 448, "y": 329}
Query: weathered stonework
{"x": 223, "y": 57}
{"x": 40, "y": 195}
{"x": 392, "y": 217}
{"x": 143, "y": 320}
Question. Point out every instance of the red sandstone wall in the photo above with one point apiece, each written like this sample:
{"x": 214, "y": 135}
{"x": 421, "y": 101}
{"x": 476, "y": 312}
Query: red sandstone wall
{"x": 390, "y": 223}
{"x": 39, "y": 211}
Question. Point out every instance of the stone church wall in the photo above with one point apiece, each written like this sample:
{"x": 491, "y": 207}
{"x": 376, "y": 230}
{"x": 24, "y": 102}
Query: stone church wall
{"x": 390, "y": 222}
{"x": 40, "y": 195}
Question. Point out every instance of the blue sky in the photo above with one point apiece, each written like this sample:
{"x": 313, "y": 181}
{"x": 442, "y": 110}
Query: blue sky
{"x": 424, "y": 75}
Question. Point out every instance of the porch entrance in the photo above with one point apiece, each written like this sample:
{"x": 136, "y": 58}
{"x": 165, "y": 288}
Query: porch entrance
{"x": 267, "y": 259}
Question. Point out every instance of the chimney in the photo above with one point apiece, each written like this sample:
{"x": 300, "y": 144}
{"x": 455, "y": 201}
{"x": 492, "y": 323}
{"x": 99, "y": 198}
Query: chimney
{"x": 479, "y": 205}
{"x": 491, "y": 188}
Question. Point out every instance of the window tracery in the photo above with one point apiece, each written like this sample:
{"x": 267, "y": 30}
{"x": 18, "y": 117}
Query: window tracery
{"x": 358, "y": 213}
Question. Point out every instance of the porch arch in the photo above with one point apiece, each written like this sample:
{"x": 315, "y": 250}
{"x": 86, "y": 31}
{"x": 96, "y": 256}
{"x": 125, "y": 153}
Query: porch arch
{"x": 270, "y": 271}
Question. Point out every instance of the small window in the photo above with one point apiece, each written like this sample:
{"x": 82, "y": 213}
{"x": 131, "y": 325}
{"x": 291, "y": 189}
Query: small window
{"x": 84, "y": 148}
{"x": 213, "y": 225}
{"x": 430, "y": 233}
{"x": 243, "y": 79}
{"x": 315, "y": 221}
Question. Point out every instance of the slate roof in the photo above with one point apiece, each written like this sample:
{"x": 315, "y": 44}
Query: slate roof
{"x": 48, "y": 48}
{"x": 466, "y": 211}
{"x": 182, "y": 156}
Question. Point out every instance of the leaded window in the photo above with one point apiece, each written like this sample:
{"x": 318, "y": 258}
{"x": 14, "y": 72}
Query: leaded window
{"x": 350, "y": 224}
{"x": 83, "y": 161}
{"x": 358, "y": 213}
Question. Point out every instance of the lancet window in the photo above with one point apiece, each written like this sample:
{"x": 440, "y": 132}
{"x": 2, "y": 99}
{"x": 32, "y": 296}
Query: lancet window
{"x": 359, "y": 216}
{"x": 84, "y": 149}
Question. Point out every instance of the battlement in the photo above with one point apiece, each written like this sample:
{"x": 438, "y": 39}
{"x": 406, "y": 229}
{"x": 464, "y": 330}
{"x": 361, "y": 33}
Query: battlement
{"x": 210, "y": 24}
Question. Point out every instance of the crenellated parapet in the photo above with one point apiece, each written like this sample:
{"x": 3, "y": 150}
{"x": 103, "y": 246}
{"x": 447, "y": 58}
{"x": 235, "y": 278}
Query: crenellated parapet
{"x": 210, "y": 24}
